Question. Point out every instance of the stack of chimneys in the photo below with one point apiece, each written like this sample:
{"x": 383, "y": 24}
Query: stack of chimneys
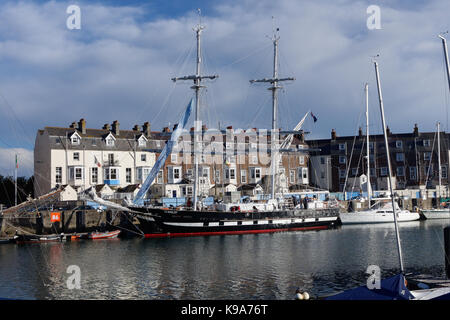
{"x": 333, "y": 134}
{"x": 82, "y": 126}
{"x": 115, "y": 127}
{"x": 416, "y": 130}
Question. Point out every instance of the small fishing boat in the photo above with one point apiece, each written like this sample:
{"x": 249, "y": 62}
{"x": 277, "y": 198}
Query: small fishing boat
{"x": 101, "y": 235}
{"x": 34, "y": 238}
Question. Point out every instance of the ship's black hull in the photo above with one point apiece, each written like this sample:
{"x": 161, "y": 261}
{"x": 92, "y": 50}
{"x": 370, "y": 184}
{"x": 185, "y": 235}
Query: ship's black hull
{"x": 156, "y": 222}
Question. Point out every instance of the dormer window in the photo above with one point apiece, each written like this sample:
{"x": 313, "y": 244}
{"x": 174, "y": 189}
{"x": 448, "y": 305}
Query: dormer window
{"x": 110, "y": 140}
{"x": 142, "y": 141}
{"x": 75, "y": 139}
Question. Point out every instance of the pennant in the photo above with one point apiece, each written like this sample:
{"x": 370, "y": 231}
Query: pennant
{"x": 314, "y": 117}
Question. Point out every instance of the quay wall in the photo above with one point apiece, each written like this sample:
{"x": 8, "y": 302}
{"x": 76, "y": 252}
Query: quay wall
{"x": 71, "y": 221}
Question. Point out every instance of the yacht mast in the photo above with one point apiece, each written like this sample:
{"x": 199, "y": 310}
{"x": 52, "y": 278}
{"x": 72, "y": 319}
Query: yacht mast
{"x": 444, "y": 45}
{"x": 274, "y": 88}
{"x": 369, "y": 186}
{"x": 389, "y": 166}
{"x": 439, "y": 161}
{"x": 197, "y": 78}
{"x": 15, "y": 181}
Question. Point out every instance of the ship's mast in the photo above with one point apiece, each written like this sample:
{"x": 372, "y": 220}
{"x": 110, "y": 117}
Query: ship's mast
{"x": 197, "y": 78}
{"x": 439, "y": 161}
{"x": 369, "y": 186}
{"x": 274, "y": 88}
{"x": 15, "y": 181}
{"x": 444, "y": 45}
{"x": 389, "y": 166}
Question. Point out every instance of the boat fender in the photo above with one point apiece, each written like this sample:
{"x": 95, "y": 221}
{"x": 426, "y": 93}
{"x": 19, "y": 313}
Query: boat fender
{"x": 298, "y": 294}
{"x": 305, "y": 295}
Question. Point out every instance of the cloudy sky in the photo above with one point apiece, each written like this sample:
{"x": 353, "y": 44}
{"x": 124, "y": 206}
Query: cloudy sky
{"x": 118, "y": 66}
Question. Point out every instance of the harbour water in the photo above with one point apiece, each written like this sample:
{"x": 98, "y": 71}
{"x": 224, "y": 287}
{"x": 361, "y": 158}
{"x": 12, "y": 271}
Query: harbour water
{"x": 261, "y": 266}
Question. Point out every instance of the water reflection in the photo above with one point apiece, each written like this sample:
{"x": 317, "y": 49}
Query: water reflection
{"x": 264, "y": 266}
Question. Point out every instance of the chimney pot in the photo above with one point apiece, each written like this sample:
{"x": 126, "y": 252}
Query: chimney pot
{"x": 333, "y": 134}
{"x": 106, "y": 126}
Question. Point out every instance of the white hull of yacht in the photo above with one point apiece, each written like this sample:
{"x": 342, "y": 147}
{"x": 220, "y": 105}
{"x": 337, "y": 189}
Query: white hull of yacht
{"x": 377, "y": 216}
{"x": 437, "y": 213}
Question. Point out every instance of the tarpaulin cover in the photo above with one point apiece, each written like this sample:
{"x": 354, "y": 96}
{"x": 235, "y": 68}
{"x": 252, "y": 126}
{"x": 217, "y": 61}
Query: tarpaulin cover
{"x": 392, "y": 288}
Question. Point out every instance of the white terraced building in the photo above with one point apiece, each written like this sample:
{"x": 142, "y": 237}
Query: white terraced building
{"x": 83, "y": 158}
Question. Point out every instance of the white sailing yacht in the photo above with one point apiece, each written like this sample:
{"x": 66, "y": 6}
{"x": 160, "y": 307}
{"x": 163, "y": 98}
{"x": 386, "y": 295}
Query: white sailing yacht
{"x": 380, "y": 212}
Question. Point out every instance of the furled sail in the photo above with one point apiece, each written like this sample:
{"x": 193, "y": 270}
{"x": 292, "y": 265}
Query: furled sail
{"x": 285, "y": 145}
{"x": 164, "y": 154}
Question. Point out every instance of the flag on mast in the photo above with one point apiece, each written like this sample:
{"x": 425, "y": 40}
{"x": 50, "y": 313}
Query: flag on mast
{"x": 97, "y": 162}
{"x": 314, "y": 117}
{"x": 17, "y": 163}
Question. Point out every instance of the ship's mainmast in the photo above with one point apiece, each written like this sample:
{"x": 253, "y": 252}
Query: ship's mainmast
{"x": 275, "y": 86}
{"x": 197, "y": 78}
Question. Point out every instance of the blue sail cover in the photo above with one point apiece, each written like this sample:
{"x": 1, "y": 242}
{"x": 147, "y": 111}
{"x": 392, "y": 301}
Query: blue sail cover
{"x": 392, "y": 288}
{"x": 164, "y": 154}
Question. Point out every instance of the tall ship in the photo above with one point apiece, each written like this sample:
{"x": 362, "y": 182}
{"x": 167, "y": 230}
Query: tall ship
{"x": 277, "y": 213}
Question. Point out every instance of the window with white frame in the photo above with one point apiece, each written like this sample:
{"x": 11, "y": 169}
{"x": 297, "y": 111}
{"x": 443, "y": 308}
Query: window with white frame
{"x": 341, "y": 173}
{"x": 174, "y": 174}
{"x": 128, "y": 175}
{"x": 255, "y": 173}
{"x": 400, "y": 171}
{"x": 426, "y": 143}
{"x": 58, "y": 175}
{"x": 373, "y": 172}
{"x": 78, "y": 173}
{"x": 76, "y": 156}
{"x": 160, "y": 177}
{"x": 94, "y": 175}
{"x": 383, "y": 171}
{"x": 292, "y": 176}
{"x": 426, "y": 156}
{"x": 342, "y": 146}
{"x": 173, "y": 158}
{"x": 143, "y": 157}
{"x": 354, "y": 171}
{"x": 75, "y": 139}
{"x": 243, "y": 176}
{"x": 399, "y": 144}
{"x": 301, "y": 159}
{"x": 342, "y": 159}
{"x": 110, "y": 142}
{"x": 111, "y": 159}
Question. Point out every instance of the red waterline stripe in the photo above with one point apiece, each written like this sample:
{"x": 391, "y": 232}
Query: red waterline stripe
{"x": 216, "y": 233}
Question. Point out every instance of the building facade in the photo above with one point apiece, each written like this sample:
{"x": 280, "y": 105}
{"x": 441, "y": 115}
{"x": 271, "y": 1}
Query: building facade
{"x": 85, "y": 158}
{"x": 414, "y": 160}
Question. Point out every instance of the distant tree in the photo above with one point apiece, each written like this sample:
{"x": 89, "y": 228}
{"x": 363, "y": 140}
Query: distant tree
{"x": 7, "y": 189}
